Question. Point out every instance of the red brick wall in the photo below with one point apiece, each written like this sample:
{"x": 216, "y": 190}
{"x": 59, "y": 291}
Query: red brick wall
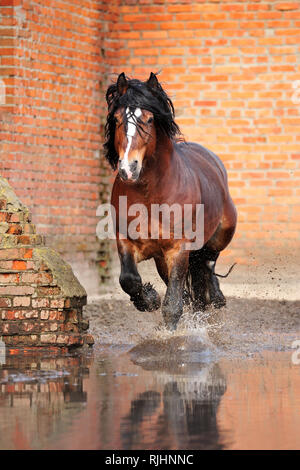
{"x": 51, "y": 125}
{"x": 230, "y": 68}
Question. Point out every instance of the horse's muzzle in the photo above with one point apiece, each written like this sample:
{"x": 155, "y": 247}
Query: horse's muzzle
{"x": 129, "y": 172}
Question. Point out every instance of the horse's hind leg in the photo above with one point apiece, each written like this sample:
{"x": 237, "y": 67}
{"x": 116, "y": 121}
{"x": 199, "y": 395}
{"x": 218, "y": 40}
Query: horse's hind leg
{"x": 205, "y": 285}
{"x": 213, "y": 291}
{"x": 143, "y": 296}
{"x": 198, "y": 282}
{"x": 202, "y": 263}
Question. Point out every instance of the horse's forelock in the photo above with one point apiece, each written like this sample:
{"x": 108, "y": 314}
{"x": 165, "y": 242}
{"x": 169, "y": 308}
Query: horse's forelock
{"x": 138, "y": 95}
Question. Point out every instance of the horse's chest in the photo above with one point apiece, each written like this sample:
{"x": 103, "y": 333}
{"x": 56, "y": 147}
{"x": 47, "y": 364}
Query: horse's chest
{"x": 152, "y": 230}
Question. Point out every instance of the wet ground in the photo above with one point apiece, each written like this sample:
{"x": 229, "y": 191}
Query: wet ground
{"x": 227, "y": 379}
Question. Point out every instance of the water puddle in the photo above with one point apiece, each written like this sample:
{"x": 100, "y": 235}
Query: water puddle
{"x": 175, "y": 395}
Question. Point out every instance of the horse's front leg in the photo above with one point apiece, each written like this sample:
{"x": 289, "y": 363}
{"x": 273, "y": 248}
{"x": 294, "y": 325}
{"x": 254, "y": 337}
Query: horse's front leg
{"x": 177, "y": 262}
{"x": 143, "y": 296}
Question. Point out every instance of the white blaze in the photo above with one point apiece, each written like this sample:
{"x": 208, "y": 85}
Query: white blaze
{"x": 131, "y": 130}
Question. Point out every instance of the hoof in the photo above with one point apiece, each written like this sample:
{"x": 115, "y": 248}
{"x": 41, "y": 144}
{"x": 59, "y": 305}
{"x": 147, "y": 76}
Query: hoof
{"x": 171, "y": 317}
{"x": 199, "y": 306}
{"x": 217, "y": 298}
{"x": 148, "y": 301}
{"x": 219, "y": 302}
{"x": 151, "y": 296}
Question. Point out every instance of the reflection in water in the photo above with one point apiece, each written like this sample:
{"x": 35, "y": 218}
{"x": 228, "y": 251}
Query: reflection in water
{"x": 191, "y": 409}
{"x": 106, "y": 401}
{"x": 35, "y": 392}
{"x": 141, "y": 409}
{"x": 183, "y": 416}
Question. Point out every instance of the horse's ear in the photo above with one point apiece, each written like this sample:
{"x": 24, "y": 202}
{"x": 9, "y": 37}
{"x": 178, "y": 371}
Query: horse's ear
{"x": 122, "y": 84}
{"x": 152, "y": 81}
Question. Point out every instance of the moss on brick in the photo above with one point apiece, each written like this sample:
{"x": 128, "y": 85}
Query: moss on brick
{"x": 61, "y": 271}
{"x": 13, "y": 202}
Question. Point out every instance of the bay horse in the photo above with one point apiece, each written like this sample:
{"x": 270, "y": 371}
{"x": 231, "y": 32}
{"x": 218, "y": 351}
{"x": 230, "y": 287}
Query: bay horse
{"x": 155, "y": 167}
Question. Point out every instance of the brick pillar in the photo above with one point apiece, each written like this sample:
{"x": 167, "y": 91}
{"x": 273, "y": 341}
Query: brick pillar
{"x": 41, "y": 300}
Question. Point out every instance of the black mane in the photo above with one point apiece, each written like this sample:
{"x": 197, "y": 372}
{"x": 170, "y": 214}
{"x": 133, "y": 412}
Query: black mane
{"x": 138, "y": 95}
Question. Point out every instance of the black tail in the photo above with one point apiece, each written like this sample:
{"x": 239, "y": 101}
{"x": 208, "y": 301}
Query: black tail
{"x": 229, "y": 271}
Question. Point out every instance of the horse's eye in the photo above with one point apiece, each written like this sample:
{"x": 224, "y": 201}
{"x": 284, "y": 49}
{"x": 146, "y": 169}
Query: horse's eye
{"x": 150, "y": 120}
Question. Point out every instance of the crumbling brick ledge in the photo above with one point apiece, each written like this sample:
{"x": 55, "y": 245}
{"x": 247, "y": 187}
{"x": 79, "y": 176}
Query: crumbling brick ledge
{"x": 41, "y": 300}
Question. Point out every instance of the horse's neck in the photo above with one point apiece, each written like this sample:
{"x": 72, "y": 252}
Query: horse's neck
{"x": 164, "y": 154}
{"x": 163, "y": 172}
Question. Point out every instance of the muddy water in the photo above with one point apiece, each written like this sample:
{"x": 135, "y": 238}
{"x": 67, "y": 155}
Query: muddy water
{"x": 229, "y": 383}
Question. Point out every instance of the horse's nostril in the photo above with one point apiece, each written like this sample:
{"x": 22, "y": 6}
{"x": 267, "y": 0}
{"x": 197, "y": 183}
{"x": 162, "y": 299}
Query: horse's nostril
{"x": 123, "y": 174}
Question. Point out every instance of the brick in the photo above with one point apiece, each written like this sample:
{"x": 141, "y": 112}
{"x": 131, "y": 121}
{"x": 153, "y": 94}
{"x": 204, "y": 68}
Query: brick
{"x": 19, "y": 265}
{"x": 48, "y": 338}
{"x": 16, "y": 218}
{"x": 9, "y": 279}
{"x": 40, "y": 303}
{"x": 8, "y": 254}
{"x": 287, "y": 6}
{"x": 21, "y": 301}
{"x": 16, "y": 290}
{"x": 62, "y": 339}
{"x": 44, "y": 314}
{"x": 53, "y": 326}
{"x": 29, "y": 229}
{"x": 8, "y": 314}
{"x": 5, "y": 302}
{"x": 56, "y": 315}
{"x": 36, "y": 278}
{"x": 28, "y": 253}
{"x": 30, "y": 239}
{"x": 48, "y": 291}
{"x": 57, "y": 303}
{"x": 8, "y": 328}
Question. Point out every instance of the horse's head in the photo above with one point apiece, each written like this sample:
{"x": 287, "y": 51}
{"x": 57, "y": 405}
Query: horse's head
{"x": 135, "y": 139}
{"x": 137, "y": 110}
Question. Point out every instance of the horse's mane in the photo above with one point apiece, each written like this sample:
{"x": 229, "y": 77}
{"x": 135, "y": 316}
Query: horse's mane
{"x": 138, "y": 95}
